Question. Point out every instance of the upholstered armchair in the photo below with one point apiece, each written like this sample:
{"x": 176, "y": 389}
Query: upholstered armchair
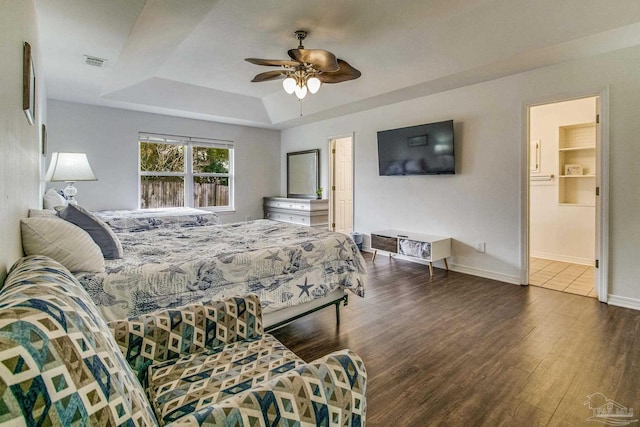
{"x": 208, "y": 363}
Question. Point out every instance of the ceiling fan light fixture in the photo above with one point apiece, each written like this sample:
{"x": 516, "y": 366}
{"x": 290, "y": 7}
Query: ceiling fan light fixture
{"x": 289, "y": 85}
{"x": 301, "y": 91}
{"x": 314, "y": 84}
{"x": 306, "y": 70}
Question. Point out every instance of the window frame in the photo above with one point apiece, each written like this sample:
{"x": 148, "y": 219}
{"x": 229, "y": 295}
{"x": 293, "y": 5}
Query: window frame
{"x": 188, "y": 175}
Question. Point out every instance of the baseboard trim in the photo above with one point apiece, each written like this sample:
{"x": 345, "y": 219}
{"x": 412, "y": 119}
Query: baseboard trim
{"x": 457, "y": 268}
{"x": 486, "y": 274}
{"x": 562, "y": 258}
{"x": 615, "y": 300}
{"x": 625, "y": 302}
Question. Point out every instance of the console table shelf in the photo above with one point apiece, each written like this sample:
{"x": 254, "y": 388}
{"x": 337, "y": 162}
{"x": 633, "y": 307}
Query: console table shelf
{"x": 427, "y": 247}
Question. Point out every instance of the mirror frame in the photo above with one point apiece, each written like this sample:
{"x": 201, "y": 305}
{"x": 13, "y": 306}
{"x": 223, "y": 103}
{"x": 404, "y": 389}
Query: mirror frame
{"x": 298, "y": 186}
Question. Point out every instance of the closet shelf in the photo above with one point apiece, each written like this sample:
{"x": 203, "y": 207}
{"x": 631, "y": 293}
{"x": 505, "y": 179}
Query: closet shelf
{"x": 577, "y": 148}
{"x": 577, "y": 165}
{"x": 577, "y": 176}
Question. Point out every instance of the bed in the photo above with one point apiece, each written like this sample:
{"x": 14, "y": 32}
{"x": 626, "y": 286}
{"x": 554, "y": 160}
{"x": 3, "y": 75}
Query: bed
{"x": 176, "y": 257}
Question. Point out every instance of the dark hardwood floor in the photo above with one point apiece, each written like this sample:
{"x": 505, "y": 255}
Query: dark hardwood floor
{"x": 458, "y": 350}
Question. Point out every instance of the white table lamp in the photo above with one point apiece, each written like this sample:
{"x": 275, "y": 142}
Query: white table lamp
{"x": 69, "y": 167}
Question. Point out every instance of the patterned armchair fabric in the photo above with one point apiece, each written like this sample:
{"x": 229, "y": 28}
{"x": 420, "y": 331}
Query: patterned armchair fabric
{"x": 181, "y": 386}
{"x": 327, "y": 392}
{"x": 208, "y": 364}
{"x": 165, "y": 335}
{"x": 59, "y": 365}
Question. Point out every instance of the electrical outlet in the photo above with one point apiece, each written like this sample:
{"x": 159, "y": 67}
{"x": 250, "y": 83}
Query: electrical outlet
{"x": 481, "y": 247}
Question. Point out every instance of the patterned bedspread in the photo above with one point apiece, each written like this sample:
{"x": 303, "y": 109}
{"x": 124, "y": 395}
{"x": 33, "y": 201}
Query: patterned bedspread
{"x": 147, "y": 219}
{"x": 284, "y": 264}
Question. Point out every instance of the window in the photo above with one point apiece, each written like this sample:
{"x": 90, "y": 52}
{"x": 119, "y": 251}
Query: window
{"x": 182, "y": 171}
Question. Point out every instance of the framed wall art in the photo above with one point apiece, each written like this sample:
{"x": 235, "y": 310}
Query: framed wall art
{"x": 28, "y": 85}
{"x": 44, "y": 139}
{"x": 572, "y": 170}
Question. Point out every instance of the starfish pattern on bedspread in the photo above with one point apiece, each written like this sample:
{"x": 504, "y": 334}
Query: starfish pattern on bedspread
{"x": 341, "y": 246}
{"x": 273, "y": 256}
{"x": 305, "y": 288}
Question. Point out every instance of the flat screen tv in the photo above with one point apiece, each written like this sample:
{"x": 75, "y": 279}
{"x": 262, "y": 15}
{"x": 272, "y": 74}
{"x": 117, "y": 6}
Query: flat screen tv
{"x": 417, "y": 150}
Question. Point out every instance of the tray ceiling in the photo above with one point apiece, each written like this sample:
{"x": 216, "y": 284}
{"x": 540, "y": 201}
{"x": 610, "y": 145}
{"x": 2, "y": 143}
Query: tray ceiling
{"x": 164, "y": 57}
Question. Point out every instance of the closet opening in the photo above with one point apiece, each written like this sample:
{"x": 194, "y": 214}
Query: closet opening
{"x": 565, "y": 233}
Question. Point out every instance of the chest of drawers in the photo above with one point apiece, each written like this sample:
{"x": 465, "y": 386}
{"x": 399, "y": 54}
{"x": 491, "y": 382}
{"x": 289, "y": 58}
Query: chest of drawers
{"x": 310, "y": 212}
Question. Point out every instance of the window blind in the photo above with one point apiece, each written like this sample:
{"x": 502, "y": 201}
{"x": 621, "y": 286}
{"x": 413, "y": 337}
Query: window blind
{"x": 185, "y": 140}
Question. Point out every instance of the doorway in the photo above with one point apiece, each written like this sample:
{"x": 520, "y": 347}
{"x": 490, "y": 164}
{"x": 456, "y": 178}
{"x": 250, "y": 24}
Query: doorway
{"x": 565, "y": 236}
{"x": 341, "y": 184}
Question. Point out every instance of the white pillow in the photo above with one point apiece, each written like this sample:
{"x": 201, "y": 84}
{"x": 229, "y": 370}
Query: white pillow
{"x": 52, "y": 199}
{"x": 47, "y": 213}
{"x": 68, "y": 244}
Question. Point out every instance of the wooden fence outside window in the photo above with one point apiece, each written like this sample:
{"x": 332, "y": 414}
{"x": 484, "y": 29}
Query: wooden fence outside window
{"x": 169, "y": 194}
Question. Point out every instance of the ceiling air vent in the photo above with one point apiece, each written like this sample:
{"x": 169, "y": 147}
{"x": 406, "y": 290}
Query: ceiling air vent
{"x": 94, "y": 60}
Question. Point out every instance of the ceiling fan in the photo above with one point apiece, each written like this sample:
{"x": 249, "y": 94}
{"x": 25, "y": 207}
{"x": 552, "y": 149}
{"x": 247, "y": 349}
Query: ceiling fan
{"x": 307, "y": 69}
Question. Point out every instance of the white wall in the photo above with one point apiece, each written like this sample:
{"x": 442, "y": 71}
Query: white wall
{"x": 559, "y": 232}
{"x": 482, "y": 202}
{"x": 465, "y": 206}
{"x": 109, "y": 136}
{"x": 19, "y": 142}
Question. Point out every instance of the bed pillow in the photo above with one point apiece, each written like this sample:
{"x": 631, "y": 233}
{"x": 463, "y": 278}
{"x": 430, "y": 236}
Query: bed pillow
{"x": 100, "y": 232}
{"x": 47, "y": 213}
{"x": 133, "y": 221}
{"x": 68, "y": 244}
{"x": 52, "y": 199}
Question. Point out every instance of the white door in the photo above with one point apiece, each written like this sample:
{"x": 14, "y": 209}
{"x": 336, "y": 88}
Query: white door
{"x": 342, "y": 185}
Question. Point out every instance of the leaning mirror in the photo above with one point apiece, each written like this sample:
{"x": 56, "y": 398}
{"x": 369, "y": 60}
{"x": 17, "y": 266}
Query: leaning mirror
{"x": 303, "y": 174}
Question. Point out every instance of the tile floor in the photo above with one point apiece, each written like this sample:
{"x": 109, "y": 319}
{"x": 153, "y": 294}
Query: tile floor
{"x": 562, "y": 276}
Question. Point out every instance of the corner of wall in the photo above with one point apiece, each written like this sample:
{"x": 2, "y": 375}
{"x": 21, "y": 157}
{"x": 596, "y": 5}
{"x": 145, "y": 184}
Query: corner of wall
{"x": 20, "y": 162}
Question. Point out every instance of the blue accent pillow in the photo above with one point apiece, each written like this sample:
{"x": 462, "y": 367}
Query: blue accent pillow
{"x": 100, "y": 232}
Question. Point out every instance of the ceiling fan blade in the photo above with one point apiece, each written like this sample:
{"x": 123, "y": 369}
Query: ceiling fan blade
{"x": 272, "y": 62}
{"x": 345, "y": 73}
{"x": 268, "y": 75}
{"x": 321, "y": 60}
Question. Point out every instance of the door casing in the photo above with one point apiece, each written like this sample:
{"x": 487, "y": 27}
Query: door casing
{"x": 602, "y": 184}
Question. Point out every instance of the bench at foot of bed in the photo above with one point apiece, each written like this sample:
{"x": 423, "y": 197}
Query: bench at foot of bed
{"x": 280, "y": 318}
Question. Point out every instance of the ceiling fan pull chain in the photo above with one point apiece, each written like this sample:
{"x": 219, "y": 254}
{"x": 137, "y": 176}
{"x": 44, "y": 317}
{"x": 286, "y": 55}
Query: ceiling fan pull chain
{"x": 300, "y": 101}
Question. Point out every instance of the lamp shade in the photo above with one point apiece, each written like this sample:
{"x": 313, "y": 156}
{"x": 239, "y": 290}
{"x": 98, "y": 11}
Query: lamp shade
{"x": 69, "y": 167}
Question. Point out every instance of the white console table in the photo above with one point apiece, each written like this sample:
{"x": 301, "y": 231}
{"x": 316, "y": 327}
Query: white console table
{"x": 427, "y": 247}
{"x": 311, "y": 212}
